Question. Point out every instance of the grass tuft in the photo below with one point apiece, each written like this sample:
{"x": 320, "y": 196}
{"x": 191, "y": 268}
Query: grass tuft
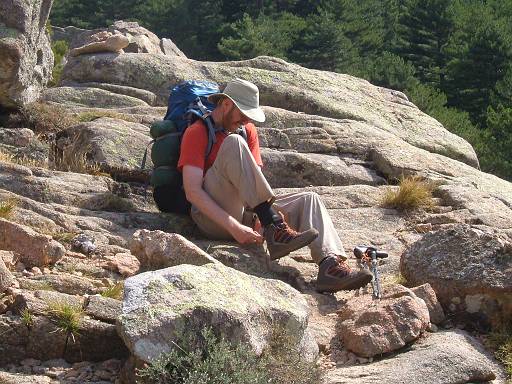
{"x": 78, "y": 163}
{"x": 413, "y": 193}
{"x": 67, "y": 317}
{"x": 115, "y": 291}
{"x": 7, "y": 208}
{"x": 93, "y": 115}
{"x": 27, "y": 318}
{"x": 501, "y": 341}
{"x": 64, "y": 237}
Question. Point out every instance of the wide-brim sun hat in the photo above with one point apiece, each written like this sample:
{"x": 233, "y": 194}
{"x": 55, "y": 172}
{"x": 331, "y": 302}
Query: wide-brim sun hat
{"x": 245, "y": 95}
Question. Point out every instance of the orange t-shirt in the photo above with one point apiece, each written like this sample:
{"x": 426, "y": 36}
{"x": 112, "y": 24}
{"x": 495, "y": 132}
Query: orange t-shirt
{"x": 195, "y": 141}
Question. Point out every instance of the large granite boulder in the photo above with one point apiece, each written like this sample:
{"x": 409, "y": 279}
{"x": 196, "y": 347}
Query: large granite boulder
{"x": 282, "y": 85}
{"x": 117, "y": 146}
{"x": 26, "y": 59}
{"x": 160, "y": 306}
{"x": 467, "y": 266}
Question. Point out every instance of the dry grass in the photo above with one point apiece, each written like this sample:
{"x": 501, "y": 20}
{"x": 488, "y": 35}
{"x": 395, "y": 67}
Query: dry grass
{"x": 413, "y": 193}
{"x": 64, "y": 237}
{"x": 501, "y": 341}
{"x": 115, "y": 291}
{"x": 78, "y": 163}
{"x": 25, "y": 161}
{"x": 7, "y": 208}
{"x": 93, "y": 115}
{"x": 394, "y": 279}
{"x": 42, "y": 118}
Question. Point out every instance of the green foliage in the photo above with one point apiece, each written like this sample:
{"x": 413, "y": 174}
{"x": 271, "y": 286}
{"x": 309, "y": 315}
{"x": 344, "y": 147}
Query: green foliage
{"x": 263, "y": 36}
{"x": 499, "y": 124}
{"x": 391, "y": 71}
{"x": 422, "y": 31}
{"x": 27, "y": 318}
{"x": 59, "y": 48}
{"x": 67, "y": 317}
{"x": 206, "y": 358}
{"x": 323, "y": 45}
{"x": 501, "y": 340}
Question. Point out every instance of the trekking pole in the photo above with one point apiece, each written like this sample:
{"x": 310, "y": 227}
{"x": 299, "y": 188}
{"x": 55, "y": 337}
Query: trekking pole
{"x": 367, "y": 258}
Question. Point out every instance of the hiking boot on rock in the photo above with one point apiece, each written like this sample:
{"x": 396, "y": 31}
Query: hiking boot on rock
{"x": 335, "y": 275}
{"x": 281, "y": 239}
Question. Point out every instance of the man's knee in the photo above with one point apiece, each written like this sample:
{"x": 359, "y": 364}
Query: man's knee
{"x": 234, "y": 140}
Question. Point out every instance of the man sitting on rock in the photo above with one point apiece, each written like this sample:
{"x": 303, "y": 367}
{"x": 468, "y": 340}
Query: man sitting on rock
{"x": 223, "y": 186}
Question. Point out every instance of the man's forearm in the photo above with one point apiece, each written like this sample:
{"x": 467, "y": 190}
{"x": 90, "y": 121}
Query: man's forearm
{"x": 202, "y": 201}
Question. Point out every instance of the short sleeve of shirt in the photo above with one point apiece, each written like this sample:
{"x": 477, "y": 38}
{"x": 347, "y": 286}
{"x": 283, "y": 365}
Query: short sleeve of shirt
{"x": 193, "y": 146}
{"x": 253, "y": 143}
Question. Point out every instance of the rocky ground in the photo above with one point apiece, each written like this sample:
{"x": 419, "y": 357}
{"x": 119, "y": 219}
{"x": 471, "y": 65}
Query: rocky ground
{"x": 68, "y": 239}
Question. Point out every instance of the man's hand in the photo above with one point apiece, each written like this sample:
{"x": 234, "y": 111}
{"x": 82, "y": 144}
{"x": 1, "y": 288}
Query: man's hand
{"x": 244, "y": 234}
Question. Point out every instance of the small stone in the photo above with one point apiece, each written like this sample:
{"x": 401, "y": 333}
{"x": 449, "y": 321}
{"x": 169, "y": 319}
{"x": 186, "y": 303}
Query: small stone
{"x": 456, "y": 300}
{"x": 20, "y": 267}
{"x": 433, "y": 328}
{"x": 46, "y": 271}
{"x": 36, "y": 271}
{"x": 27, "y": 273}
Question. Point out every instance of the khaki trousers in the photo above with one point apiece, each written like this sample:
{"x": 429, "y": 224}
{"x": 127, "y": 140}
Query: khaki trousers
{"x": 235, "y": 182}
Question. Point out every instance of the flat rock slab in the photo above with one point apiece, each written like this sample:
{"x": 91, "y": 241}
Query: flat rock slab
{"x": 450, "y": 357}
{"x": 292, "y": 169}
{"x": 160, "y": 306}
{"x": 90, "y": 97}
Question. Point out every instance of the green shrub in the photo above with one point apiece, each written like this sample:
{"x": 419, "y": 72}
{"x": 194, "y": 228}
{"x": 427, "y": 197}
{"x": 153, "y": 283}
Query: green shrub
{"x": 210, "y": 359}
{"x": 59, "y": 48}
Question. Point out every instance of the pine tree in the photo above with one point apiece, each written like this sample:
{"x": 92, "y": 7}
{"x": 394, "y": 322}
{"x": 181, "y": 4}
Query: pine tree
{"x": 422, "y": 32}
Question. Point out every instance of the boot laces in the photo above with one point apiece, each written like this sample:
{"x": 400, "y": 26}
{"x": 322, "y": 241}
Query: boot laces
{"x": 340, "y": 269}
{"x": 284, "y": 233}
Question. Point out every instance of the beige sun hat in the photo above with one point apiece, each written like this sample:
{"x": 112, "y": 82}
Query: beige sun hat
{"x": 246, "y": 97}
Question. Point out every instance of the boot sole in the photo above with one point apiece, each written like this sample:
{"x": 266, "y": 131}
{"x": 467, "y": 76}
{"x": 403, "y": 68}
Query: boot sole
{"x": 299, "y": 245}
{"x": 349, "y": 285}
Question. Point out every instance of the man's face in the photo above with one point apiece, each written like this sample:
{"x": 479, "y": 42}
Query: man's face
{"x": 232, "y": 117}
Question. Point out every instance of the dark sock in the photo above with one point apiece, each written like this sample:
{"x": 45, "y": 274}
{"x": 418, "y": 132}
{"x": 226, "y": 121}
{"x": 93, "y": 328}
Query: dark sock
{"x": 266, "y": 214}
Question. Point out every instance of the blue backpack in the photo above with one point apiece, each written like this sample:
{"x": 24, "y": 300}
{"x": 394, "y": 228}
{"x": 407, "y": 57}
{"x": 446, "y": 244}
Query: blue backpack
{"x": 188, "y": 101}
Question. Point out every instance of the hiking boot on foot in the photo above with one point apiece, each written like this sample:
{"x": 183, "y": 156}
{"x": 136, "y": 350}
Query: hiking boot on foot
{"x": 281, "y": 239}
{"x": 335, "y": 275}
